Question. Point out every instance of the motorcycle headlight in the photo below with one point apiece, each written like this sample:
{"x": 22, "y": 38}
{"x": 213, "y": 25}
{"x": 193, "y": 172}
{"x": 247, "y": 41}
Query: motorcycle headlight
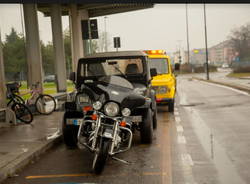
{"x": 97, "y": 105}
{"x": 126, "y": 112}
{"x": 111, "y": 109}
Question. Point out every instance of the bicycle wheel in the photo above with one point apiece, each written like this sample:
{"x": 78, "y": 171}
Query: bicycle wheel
{"x": 45, "y": 104}
{"x": 15, "y": 99}
{"x": 22, "y": 112}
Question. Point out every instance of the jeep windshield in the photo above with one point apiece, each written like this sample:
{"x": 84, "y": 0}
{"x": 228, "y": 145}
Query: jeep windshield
{"x": 98, "y": 67}
{"x": 161, "y": 64}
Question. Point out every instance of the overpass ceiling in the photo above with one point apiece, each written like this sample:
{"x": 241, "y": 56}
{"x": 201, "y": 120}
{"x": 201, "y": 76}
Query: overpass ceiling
{"x": 99, "y": 9}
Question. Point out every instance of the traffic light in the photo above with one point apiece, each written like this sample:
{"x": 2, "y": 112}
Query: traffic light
{"x": 179, "y": 59}
{"x": 92, "y": 24}
{"x": 117, "y": 42}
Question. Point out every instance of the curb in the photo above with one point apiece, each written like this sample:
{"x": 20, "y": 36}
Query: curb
{"x": 245, "y": 89}
{"x": 22, "y": 161}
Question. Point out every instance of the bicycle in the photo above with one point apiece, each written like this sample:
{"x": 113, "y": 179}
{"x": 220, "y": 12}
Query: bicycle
{"x": 16, "y": 103}
{"x": 44, "y": 103}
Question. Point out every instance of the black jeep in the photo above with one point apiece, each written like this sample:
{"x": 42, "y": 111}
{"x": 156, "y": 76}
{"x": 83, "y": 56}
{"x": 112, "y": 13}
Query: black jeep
{"x": 132, "y": 66}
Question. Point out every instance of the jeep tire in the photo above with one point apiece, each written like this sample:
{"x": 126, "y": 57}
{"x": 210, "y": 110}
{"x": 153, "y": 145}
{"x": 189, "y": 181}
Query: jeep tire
{"x": 155, "y": 119}
{"x": 146, "y": 127}
{"x": 69, "y": 132}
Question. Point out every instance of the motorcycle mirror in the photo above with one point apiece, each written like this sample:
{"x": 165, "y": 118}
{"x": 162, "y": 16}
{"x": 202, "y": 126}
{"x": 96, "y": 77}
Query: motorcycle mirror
{"x": 153, "y": 72}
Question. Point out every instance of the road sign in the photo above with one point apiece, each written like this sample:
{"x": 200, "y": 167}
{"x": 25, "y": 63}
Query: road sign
{"x": 117, "y": 42}
{"x": 89, "y": 27}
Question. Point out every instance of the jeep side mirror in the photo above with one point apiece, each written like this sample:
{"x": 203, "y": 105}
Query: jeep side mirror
{"x": 177, "y": 66}
{"x": 153, "y": 72}
{"x": 72, "y": 76}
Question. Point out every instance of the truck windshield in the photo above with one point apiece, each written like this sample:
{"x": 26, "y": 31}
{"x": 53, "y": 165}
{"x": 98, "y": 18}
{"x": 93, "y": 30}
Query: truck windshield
{"x": 161, "y": 64}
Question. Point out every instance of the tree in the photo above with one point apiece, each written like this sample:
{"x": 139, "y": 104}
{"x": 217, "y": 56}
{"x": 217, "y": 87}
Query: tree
{"x": 14, "y": 55}
{"x": 47, "y": 58}
{"x": 240, "y": 40}
{"x": 67, "y": 48}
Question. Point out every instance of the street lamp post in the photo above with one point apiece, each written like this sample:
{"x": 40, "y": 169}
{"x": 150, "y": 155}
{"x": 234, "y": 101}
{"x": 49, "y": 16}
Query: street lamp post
{"x": 205, "y": 26}
{"x": 105, "y": 34}
{"x": 188, "y": 59}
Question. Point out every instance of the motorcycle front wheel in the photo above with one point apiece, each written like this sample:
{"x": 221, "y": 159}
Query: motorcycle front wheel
{"x": 101, "y": 155}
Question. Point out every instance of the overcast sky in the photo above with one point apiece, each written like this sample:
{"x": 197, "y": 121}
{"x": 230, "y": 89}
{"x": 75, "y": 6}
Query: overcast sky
{"x": 156, "y": 28}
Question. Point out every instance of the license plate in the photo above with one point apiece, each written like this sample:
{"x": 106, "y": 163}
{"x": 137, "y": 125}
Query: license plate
{"x": 135, "y": 118}
{"x": 74, "y": 121}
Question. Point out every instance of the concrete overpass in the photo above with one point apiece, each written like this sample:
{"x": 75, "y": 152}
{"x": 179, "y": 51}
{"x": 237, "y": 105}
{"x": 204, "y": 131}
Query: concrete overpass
{"x": 76, "y": 13}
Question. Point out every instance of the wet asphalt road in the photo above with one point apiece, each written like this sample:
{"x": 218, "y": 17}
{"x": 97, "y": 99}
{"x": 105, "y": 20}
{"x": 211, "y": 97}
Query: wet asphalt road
{"x": 212, "y": 130}
{"x": 206, "y": 141}
{"x": 149, "y": 163}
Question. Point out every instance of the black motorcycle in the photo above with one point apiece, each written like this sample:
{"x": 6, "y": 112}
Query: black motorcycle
{"x": 107, "y": 127}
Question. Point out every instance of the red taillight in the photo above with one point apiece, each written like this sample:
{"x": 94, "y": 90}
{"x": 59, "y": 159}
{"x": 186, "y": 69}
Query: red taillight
{"x": 158, "y": 99}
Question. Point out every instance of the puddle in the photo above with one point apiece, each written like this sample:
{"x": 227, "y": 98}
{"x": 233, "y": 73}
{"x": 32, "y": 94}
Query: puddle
{"x": 226, "y": 171}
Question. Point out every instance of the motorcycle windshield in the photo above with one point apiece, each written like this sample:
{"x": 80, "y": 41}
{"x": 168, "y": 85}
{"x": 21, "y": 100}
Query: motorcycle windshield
{"x": 115, "y": 81}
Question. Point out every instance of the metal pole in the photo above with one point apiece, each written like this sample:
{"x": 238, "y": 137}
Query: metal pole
{"x": 188, "y": 59}
{"x": 90, "y": 38}
{"x": 205, "y": 26}
{"x": 105, "y": 34}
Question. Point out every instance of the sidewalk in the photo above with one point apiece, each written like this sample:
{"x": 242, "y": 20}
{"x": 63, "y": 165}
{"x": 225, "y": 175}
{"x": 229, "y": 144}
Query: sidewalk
{"x": 22, "y": 143}
{"x": 220, "y": 78}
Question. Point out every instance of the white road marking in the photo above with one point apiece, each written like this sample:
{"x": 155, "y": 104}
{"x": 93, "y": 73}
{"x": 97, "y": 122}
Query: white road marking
{"x": 177, "y": 119}
{"x": 179, "y": 128}
{"x": 187, "y": 159}
{"x": 54, "y": 135}
{"x": 176, "y": 113}
{"x": 181, "y": 139}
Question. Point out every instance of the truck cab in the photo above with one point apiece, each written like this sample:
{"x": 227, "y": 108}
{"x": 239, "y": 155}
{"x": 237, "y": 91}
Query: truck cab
{"x": 164, "y": 83}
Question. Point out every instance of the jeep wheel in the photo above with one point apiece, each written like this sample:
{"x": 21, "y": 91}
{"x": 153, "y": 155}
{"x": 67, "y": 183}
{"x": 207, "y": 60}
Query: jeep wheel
{"x": 155, "y": 119}
{"x": 69, "y": 133}
{"x": 146, "y": 127}
{"x": 171, "y": 106}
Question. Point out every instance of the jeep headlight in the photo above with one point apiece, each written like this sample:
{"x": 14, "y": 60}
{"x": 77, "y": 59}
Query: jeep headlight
{"x": 97, "y": 105}
{"x": 126, "y": 112}
{"x": 111, "y": 109}
{"x": 162, "y": 89}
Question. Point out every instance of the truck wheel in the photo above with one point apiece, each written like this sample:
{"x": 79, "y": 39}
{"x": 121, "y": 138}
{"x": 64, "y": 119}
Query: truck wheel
{"x": 146, "y": 127}
{"x": 69, "y": 133}
{"x": 171, "y": 106}
{"x": 155, "y": 119}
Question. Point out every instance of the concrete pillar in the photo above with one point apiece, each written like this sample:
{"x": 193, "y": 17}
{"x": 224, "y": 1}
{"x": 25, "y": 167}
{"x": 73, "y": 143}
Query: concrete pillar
{"x": 59, "y": 53}
{"x": 33, "y": 47}
{"x": 77, "y": 46}
{"x": 2, "y": 79}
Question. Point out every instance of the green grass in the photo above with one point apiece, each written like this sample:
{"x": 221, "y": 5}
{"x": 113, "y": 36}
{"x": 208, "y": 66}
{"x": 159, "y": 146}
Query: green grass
{"x": 238, "y": 75}
{"x": 49, "y": 88}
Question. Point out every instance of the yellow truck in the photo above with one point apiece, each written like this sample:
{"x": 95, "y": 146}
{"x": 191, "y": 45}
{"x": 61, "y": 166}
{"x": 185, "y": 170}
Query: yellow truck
{"x": 164, "y": 83}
